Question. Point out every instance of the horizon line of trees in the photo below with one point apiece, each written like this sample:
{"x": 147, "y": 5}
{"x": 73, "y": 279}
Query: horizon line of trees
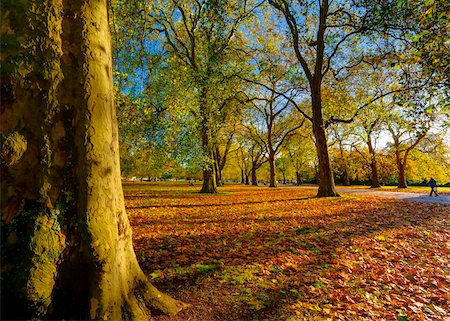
{"x": 351, "y": 166}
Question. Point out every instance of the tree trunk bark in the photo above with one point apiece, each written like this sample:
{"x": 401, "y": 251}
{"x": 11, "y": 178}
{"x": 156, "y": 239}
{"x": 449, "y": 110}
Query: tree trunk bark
{"x": 400, "y": 167}
{"x": 254, "y": 178}
{"x": 325, "y": 179}
{"x": 217, "y": 170}
{"x": 220, "y": 181}
{"x": 272, "y": 180}
{"x": 242, "y": 177}
{"x": 209, "y": 174}
{"x": 247, "y": 180}
{"x": 297, "y": 175}
{"x": 374, "y": 180}
{"x": 402, "y": 183}
{"x": 222, "y": 161}
{"x": 67, "y": 221}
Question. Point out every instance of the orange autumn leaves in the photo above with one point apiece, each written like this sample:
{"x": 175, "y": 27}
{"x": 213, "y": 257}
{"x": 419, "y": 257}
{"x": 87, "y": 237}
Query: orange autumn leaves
{"x": 278, "y": 254}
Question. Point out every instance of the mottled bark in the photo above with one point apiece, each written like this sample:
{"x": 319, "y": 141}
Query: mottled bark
{"x": 209, "y": 185}
{"x": 67, "y": 251}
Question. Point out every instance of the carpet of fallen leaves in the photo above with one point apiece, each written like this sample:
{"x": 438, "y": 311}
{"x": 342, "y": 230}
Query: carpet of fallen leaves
{"x": 254, "y": 253}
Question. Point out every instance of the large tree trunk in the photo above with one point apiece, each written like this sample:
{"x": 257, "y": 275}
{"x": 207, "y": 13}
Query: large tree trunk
{"x": 67, "y": 251}
{"x": 326, "y": 181}
{"x": 272, "y": 179}
{"x": 254, "y": 178}
{"x": 298, "y": 178}
{"x": 209, "y": 172}
{"x": 402, "y": 183}
{"x": 209, "y": 181}
{"x": 374, "y": 180}
{"x": 401, "y": 168}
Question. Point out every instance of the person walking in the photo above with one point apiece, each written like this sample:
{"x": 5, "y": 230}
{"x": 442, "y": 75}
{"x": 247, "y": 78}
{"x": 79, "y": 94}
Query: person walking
{"x": 433, "y": 186}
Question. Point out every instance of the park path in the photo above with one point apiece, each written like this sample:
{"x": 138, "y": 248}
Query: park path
{"x": 441, "y": 199}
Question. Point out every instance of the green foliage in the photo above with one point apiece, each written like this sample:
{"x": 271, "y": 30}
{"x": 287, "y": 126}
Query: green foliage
{"x": 180, "y": 65}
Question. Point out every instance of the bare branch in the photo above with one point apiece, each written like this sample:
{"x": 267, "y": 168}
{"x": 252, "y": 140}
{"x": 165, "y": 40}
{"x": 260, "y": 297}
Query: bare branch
{"x": 278, "y": 93}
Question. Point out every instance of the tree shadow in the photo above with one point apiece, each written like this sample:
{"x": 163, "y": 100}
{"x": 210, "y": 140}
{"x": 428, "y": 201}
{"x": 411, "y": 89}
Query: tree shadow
{"x": 311, "y": 240}
{"x": 218, "y": 204}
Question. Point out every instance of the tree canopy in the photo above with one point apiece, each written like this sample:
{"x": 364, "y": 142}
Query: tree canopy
{"x": 194, "y": 79}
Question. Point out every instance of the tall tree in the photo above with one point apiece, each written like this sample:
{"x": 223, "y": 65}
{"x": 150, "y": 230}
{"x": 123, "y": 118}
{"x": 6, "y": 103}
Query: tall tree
{"x": 278, "y": 123}
{"x": 342, "y": 137}
{"x": 405, "y": 137}
{"x": 325, "y": 37}
{"x": 221, "y": 155}
{"x": 408, "y": 128}
{"x": 199, "y": 34}
{"x": 67, "y": 251}
{"x": 370, "y": 125}
{"x": 300, "y": 150}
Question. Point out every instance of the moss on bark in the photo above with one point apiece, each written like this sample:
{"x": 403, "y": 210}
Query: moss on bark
{"x": 62, "y": 201}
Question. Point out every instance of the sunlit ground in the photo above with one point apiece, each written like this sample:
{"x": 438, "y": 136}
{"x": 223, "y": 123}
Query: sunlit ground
{"x": 254, "y": 253}
{"x": 409, "y": 189}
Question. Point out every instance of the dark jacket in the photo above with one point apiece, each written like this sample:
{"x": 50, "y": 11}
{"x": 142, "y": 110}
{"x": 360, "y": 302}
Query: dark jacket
{"x": 432, "y": 183}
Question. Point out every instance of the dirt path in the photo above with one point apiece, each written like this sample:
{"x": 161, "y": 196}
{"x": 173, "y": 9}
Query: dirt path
{"x": 441, "y": 199}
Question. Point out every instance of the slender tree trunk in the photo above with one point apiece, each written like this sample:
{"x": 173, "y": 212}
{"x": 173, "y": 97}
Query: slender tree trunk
{"x": 374, "y": 181}
{"x": 272, "y": 179}
{"x": 217, "y": 169}
{"x": 401, "y": 169}
{"x": 66, "y": 241}
{"x": 220, "y": 178}
{"x": 344, "y": 160}
{"x": 325, "y": 179}
{"x": 297, "y": 176}
{"x": 242, "y": 177}
{"x": 247, "y": 180}
{"x": 209, "y": 175}
{"x": 222, "y": 160}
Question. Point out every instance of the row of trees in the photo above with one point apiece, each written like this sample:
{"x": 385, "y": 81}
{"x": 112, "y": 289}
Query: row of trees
{"x": 216, "y": 76}
{"x": 355, "y": 160}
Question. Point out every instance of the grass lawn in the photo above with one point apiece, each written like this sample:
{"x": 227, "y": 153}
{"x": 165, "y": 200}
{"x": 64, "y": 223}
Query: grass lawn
{"x": 254, "y": 253}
